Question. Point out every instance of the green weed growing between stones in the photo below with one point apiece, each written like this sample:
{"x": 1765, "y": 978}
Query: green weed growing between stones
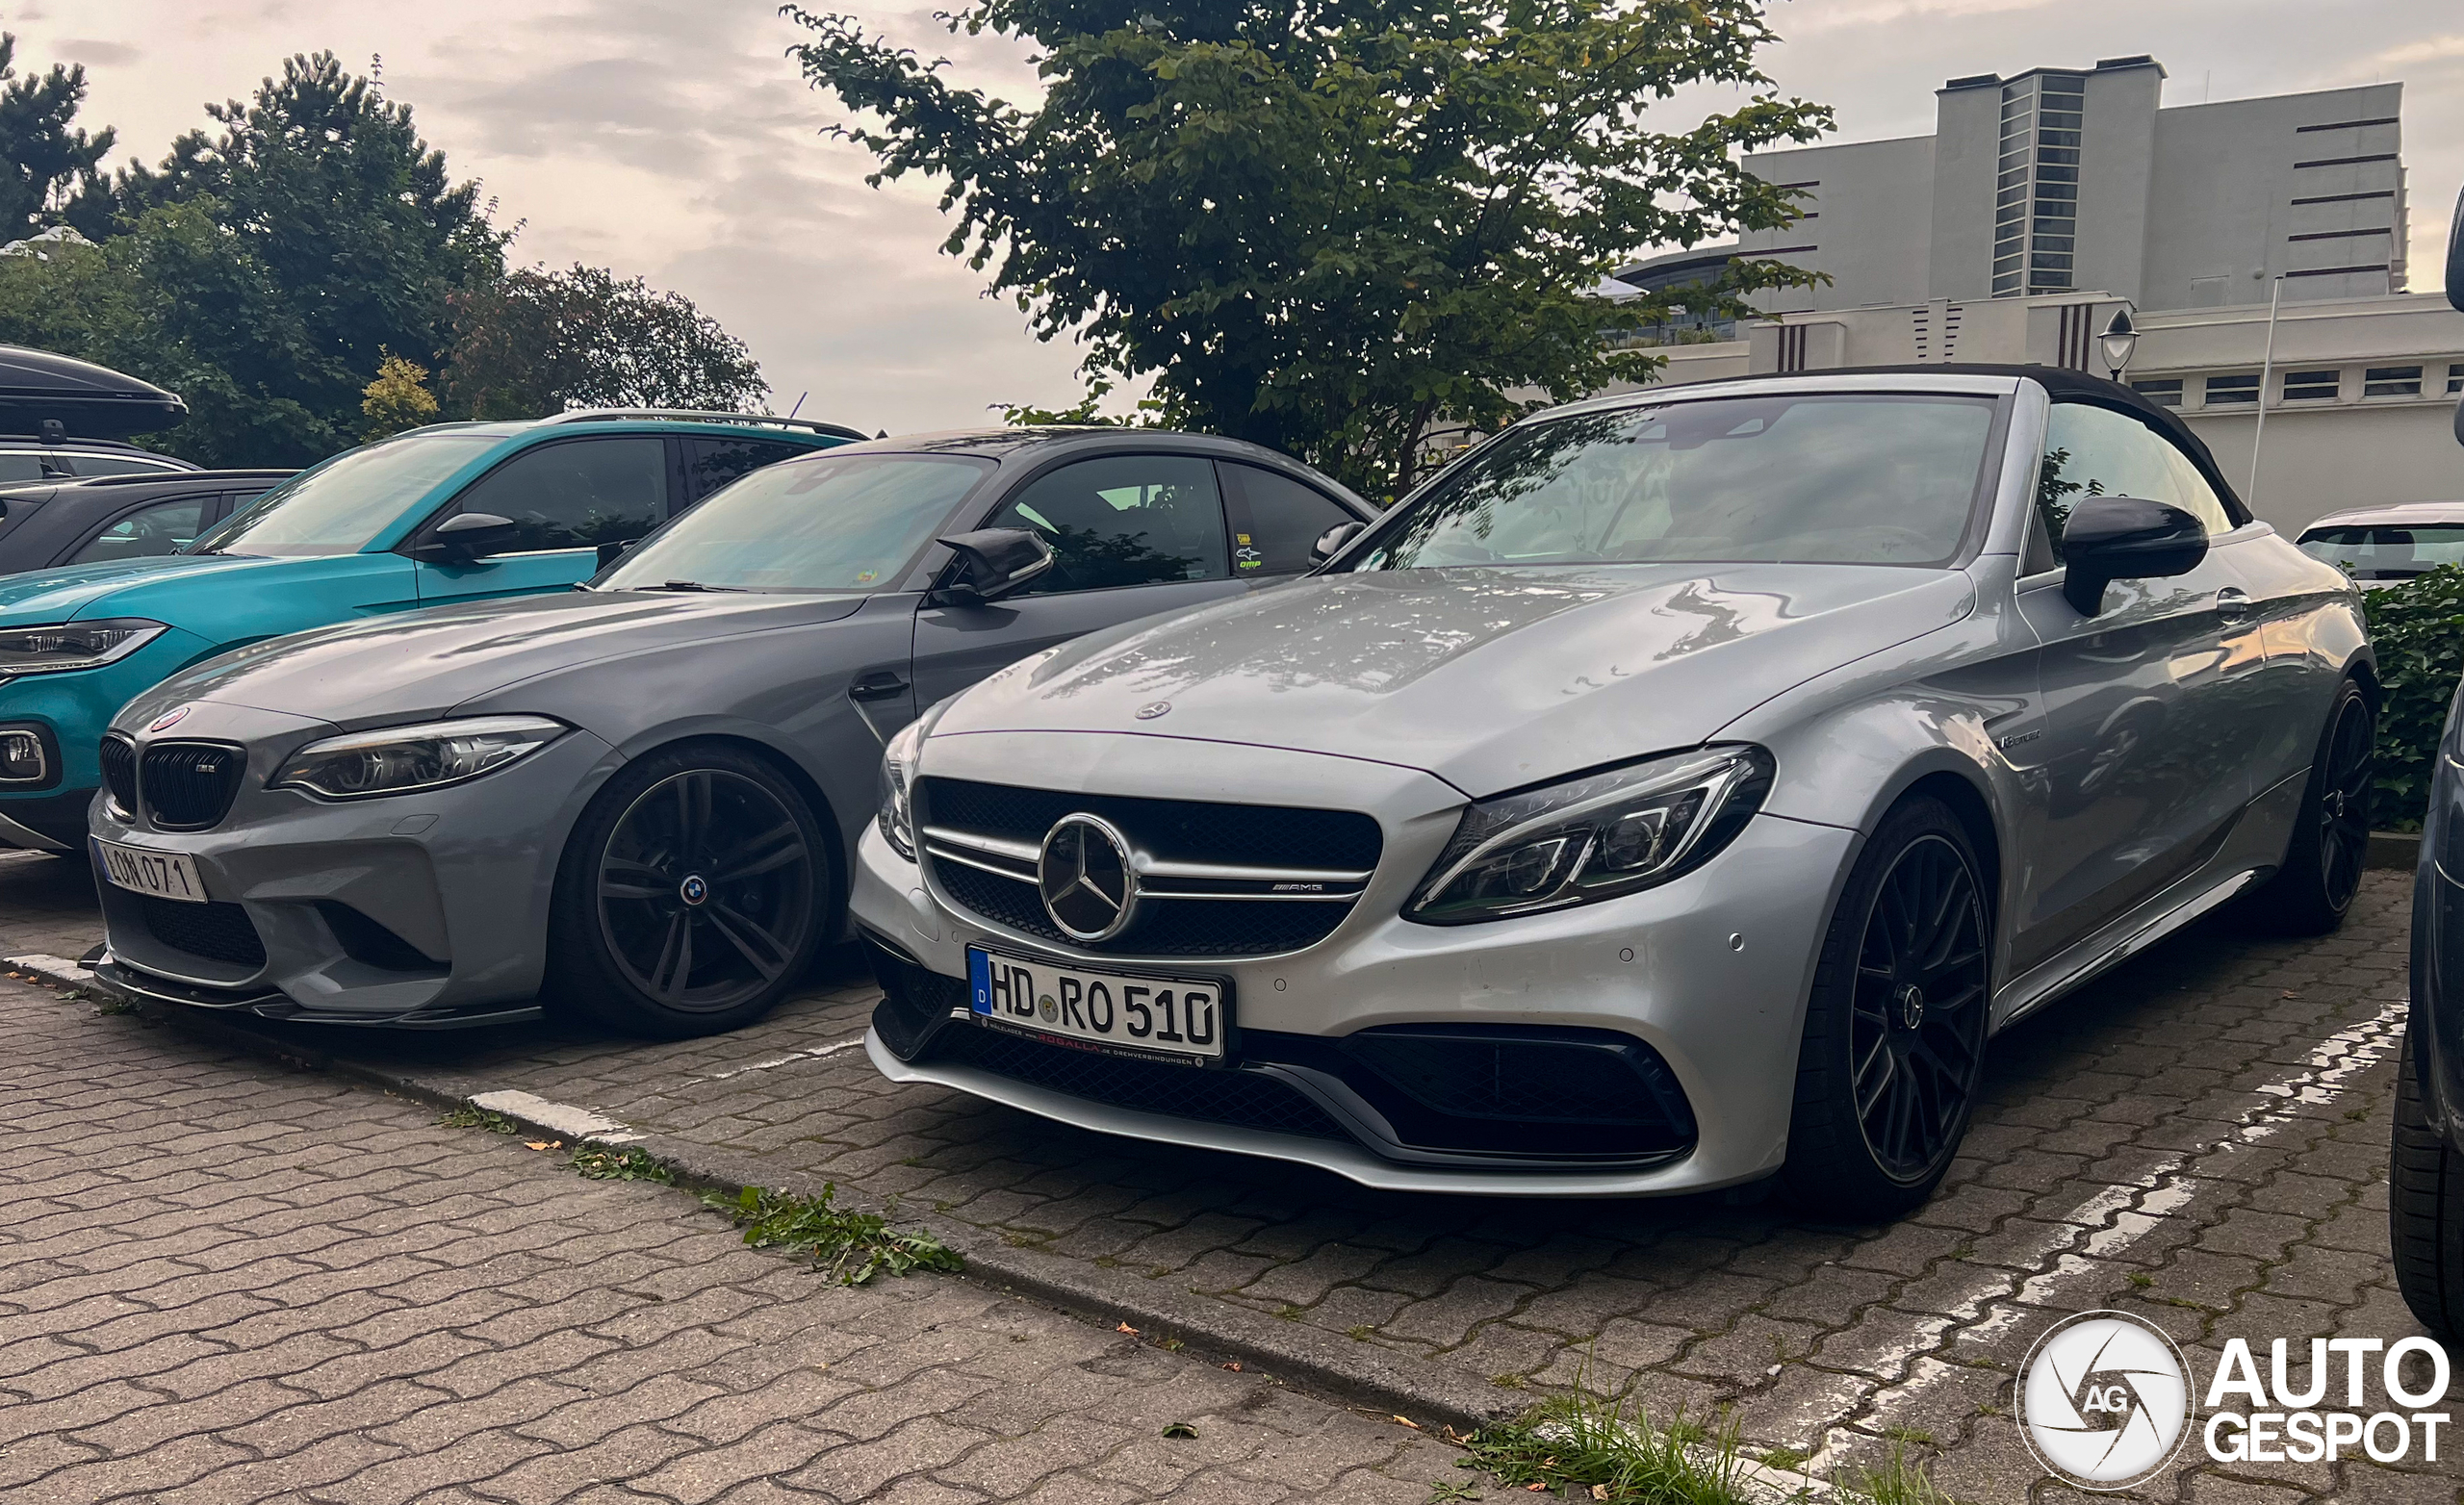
{"x": 619, "y": 1162}
{"x": 853, "y": 1248}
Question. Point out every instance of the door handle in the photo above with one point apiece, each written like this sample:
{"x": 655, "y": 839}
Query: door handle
{"x": 2232, "y": 603}
{"x": 881, "y": 684}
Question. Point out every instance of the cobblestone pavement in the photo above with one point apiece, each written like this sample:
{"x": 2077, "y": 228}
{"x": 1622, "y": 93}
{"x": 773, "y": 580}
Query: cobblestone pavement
{"x": 2200, "y": 1137}
{"x": 223, "y": 1281}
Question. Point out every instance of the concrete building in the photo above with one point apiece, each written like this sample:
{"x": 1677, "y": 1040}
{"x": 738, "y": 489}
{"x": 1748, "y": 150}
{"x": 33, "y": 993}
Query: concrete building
{"x": 2046, "y": 201}
{"x": 2062, "y": 179}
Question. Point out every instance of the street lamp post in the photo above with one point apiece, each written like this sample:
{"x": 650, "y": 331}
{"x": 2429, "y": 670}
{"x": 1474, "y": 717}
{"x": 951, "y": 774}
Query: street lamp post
{"x": 2267, "y": 370}
{"x": 2119, "y": 338}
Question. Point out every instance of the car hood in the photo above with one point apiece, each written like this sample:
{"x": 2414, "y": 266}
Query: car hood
{"x": 110, "y": 589}
{"x": 1490, "y": 678}
{"x": 397, "y": 667}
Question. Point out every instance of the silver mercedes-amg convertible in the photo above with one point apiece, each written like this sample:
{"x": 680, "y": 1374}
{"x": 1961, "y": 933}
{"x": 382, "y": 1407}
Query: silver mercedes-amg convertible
{"x": 1680, "y": 789}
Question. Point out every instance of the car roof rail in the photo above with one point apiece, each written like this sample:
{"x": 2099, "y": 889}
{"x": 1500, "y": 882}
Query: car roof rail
{"x": 705, "y": 416}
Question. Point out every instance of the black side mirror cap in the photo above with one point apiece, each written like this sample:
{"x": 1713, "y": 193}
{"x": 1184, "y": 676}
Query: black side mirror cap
{"x": 994, "y": 562}
{"x": 2455, "y": 260}
{"x": 2124, "y": 538}
{"x": 609, "y": 553}
{"x": 469, "y": 536}
{"x": 1331, "y": 542}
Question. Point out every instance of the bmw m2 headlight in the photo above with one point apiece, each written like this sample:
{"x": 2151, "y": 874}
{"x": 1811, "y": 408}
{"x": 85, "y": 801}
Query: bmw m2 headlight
{"x": 898, "y": 765}
{"x": 1593, "y": 837}
{"x": 405, "y": 759}
{"x": 72, "y": 645}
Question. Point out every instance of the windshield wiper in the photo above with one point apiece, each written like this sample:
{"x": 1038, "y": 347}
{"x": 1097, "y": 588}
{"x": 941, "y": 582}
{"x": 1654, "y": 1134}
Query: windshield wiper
{"x": 691, "y": 585}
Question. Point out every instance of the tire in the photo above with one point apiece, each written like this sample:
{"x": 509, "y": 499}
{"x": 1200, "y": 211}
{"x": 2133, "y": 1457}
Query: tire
{"x": 1894, "y": 1042}
{"x": 692, "y": 896}
{"x": 2323, "y": 862}
{"x": 2426, "y": 1210}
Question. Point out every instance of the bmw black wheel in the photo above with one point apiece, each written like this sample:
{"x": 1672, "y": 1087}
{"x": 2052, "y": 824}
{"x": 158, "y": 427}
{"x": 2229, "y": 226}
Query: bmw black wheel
{"x": 692, "y": 897}
{"x": 2330, "y": 841}
{"x": 1894, "y": 1042}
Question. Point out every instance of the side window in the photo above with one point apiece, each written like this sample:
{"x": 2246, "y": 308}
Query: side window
{"x": 1274, "y": 519}
{"x": 575, "y": 494}
{"x": 2093, "y": 451}
{"x": 711, "y": 462}
{"x": 23, "y": 465}
{"x": 87, "y": 463}
{"x": 1129, "y": 520}
{"x": 163, "y": 528}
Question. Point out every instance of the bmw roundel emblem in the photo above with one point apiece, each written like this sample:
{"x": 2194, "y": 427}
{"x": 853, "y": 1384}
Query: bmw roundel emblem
{"x": 1152, "y": 709}
{"x": 694, "y": 890}
{"x": 173, "y": 718}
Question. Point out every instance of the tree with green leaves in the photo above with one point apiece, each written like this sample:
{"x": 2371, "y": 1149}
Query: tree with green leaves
{"x": 44, "y": 156}
{"x": 1335, "y": 227}
{"x": 398, "y": 398}
{"x": 536, "y": 341}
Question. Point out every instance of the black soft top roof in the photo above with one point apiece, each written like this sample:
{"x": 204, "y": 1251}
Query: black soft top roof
{"x": 2063, "y": 383}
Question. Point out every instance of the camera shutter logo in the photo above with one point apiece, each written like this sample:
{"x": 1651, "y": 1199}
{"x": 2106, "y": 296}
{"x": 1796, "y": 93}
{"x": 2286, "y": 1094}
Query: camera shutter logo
{"x": 2104, "y": 1400}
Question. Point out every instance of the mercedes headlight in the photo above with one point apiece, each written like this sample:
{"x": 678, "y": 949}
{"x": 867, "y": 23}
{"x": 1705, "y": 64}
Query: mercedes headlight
{"x": 896, "y": 821}
{"x": 72, "y": 645}
{"x": 407, "y": 760}
{"x": 1593, "y": 837}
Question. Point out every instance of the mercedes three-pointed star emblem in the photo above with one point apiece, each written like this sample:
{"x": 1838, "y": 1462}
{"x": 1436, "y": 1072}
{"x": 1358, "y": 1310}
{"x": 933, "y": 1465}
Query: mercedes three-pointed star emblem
{"x": 1085, "y": 875}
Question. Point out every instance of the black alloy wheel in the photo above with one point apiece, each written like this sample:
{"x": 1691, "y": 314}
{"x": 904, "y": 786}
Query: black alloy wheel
{"x": 1894, "y": 1039}
{"x": 1916, "y": 1027}
{"x": 693, "y": 896}
{"x": 2331, "y": 837}
{"x": 2342, "y": 818}
{"x": 704, "y": 890}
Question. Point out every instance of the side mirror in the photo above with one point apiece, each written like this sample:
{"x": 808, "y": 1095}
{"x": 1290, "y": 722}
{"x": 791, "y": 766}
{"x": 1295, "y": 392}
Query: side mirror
{"x": 2455, "y": 257}
{"x": 994, "y": 562}
{"x": 1331, "y": 542}
{"x": 469, "y": 536}
{"x": 609, "y": 553}
{"x": 2124, "y": 538}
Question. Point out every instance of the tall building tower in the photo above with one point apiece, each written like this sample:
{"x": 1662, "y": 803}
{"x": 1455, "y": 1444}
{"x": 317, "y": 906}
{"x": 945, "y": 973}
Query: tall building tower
{"x": 2065, "y": 179}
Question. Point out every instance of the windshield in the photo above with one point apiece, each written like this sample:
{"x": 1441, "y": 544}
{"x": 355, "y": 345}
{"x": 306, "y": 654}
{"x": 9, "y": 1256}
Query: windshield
{"x": 341, "y": 505}
{"x": 1851, "y": 479}
{"x": 845, "y": 522}
{"x": 2382, "y": 552}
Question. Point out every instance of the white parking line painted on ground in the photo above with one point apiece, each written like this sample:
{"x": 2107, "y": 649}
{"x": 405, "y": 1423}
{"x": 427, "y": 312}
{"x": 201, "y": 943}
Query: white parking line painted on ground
{"x": 788, "y": 1060}
{"x": 2135, "y": 1207}
{"x": 574, "y": 1123}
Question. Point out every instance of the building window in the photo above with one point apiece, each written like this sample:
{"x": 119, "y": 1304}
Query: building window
{"x": 2313, "y": 385}
{"x": 2391, "y": 381}
{"x": 2223, "y": 391}
{"x": 2036, "y": 183}
{"x": 2166, "y": 391}
{"x": 2455, "y": 380}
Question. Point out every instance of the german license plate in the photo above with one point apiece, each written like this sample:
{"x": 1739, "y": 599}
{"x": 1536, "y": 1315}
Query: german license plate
{"x": 1180, "y": 1019}
{"x": 164, "y": 874}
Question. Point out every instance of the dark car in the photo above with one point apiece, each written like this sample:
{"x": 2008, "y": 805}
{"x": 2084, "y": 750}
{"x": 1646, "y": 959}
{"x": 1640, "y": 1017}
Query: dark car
{"x": 63, "y": 457}
{"x": 135, "y": 515}
{"x": 644, "y": 797}
{"x": 2426, "y": 1171}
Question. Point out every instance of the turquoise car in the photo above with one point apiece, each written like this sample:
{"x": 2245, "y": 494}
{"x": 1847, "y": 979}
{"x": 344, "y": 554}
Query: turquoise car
{"x": 449, "y": 513}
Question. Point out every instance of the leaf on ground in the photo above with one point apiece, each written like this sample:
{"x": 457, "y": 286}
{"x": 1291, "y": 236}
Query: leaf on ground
{"x": 1126, "y": 1328}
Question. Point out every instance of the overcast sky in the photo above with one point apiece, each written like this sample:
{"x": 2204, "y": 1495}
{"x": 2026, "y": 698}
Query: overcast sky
{"x": 671, "y": 139}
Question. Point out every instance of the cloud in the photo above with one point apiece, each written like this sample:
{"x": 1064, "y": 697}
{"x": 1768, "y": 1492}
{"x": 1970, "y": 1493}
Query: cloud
{"x": 98, "y": 54}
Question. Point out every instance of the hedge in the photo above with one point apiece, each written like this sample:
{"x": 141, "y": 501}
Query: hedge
{"x": 2418, "y": 627}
